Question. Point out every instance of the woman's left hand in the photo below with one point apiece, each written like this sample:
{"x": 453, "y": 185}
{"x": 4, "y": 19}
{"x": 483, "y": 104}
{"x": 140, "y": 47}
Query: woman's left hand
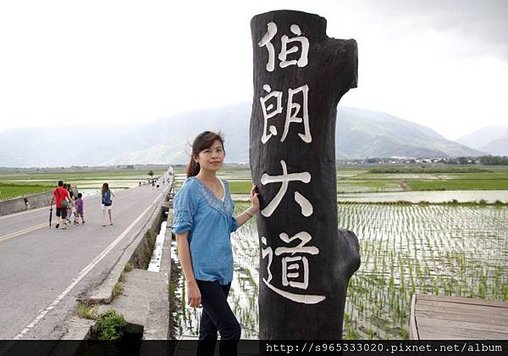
{"x": 254, "y": 200}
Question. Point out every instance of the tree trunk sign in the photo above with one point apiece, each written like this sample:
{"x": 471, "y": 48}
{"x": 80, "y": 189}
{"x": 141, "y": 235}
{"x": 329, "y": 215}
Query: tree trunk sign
{"x": 306, "y": 261}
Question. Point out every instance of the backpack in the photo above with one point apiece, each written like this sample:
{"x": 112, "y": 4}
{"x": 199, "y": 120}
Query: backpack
{"x": 106, "y": 198}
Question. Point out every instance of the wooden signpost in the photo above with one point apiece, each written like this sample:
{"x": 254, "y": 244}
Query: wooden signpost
{"x": 306, "y": 261}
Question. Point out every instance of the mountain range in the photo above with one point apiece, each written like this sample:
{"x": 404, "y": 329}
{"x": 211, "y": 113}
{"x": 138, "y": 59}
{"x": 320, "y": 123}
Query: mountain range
{"x": 491, "y": 139}
{"x": 360, "y": 134}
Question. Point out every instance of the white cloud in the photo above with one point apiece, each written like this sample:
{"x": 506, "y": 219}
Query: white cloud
{"x": 125, "y": 61}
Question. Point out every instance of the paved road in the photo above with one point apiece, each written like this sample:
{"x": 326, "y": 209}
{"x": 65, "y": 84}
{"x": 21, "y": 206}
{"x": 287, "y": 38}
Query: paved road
{"x": 43, "y": 271}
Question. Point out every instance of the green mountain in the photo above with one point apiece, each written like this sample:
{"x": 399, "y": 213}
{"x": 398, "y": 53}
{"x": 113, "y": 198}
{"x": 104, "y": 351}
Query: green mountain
{"x": 360, "y": 134}
{"x": 364, "y": 133}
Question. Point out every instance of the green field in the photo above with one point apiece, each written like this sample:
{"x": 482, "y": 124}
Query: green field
{"x": 24, "y": 182}
{"x": 459, "y": 184}
{"x": 240, "y": 187}
{"x": 364, "y": 179}
{"x": 9, "y": 191}
{"x": 350, "y": 179}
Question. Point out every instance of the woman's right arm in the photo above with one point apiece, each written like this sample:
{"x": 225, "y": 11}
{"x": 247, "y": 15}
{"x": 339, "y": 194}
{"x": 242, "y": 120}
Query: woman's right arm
{"x": 193, "y": 293}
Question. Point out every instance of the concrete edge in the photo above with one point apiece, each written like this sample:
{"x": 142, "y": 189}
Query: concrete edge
{"x": 157, "y": 319}
{"x": 25, "y": 203}
{"x": 78, "y": 328}
{"x": 157, "y": 326}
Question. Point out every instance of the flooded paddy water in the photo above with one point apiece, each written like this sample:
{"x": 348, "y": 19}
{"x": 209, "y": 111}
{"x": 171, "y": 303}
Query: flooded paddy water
{"x": 432, "y": 249}
{"x": 93, "y": 188}
{"x": 455, "y": 250}
{"x": 461, "y": 196}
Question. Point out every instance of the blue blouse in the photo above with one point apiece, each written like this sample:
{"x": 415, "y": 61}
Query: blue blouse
{"x": 210, "y": 222}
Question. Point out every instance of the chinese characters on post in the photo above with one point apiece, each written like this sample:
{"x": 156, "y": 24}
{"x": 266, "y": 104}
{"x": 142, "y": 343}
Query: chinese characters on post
{"x": 306, "y": 261}
{"x": 294, "y": 262}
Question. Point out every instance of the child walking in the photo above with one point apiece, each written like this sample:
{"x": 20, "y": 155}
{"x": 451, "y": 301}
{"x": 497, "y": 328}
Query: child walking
{"x": 79, "y": 210}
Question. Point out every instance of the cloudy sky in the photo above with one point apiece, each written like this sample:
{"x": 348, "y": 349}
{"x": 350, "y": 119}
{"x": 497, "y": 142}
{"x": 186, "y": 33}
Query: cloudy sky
{"x": 439, "y": 63}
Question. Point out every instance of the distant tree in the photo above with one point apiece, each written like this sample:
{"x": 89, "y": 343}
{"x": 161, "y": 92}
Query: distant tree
{"x": 462, "y": 160}
{"x": 151, "y": 174}
{"x": 494, "y": 160}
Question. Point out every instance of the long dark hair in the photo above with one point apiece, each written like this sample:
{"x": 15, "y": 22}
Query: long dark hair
{"x": 202, "y": 142}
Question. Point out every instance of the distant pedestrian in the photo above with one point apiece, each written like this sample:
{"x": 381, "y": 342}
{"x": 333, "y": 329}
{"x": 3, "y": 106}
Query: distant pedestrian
{"x": 62, "y": 201}
{"x": 106, "y": 203}
{"x": 79, "y": 210}
{"x": 71, "y": 207}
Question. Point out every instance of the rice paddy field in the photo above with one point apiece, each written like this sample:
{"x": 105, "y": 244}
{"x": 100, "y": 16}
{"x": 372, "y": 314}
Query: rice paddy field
{"x": 406, "y": 248}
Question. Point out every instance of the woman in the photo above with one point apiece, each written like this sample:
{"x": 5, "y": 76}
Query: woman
{"x": 106, "y": 203}
{"x": 203, "y": 220}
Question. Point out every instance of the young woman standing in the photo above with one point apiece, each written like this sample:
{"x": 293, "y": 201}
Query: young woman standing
{"x": 203, "y": 221}
{"x": 106, "y": 203}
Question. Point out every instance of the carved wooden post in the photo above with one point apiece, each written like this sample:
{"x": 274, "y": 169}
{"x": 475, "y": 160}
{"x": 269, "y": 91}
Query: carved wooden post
{"x": 299, "y": 77}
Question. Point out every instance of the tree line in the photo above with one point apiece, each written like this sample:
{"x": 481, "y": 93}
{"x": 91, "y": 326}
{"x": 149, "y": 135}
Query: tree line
{"x": 494, "y": 160}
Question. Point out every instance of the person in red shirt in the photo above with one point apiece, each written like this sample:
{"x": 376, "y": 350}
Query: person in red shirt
{"x": 62, "y": 201}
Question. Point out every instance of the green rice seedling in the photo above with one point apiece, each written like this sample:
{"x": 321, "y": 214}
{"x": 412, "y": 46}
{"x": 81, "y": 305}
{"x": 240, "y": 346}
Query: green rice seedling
{"x": 351, "y": 334}
{"x": 447, "y": 289}
{"x": 436, "y": 289}
{"x": 370, "y": 334}
{"x": 483, "y": 286}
